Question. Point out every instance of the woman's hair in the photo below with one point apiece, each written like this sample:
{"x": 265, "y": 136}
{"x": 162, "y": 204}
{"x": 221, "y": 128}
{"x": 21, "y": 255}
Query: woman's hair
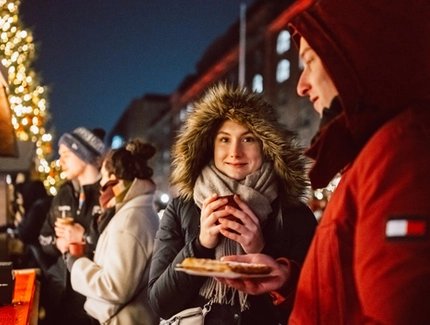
{"x": 130, "y": 161}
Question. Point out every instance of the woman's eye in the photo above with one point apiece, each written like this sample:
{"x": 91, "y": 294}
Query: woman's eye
{"x": 248, "y": 139}
{"x": 224, "y": 140}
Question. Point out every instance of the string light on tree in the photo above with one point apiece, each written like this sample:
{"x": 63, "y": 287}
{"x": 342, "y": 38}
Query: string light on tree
{"x": 27, "y": 96}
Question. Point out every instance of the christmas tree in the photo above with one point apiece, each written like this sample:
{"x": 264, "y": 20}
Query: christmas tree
{"x": 27, "y": 97}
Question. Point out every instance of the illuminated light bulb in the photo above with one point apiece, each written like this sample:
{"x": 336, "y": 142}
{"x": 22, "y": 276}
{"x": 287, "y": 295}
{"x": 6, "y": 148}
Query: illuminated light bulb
{"x": 34, "y": 129}
{"x": 46, "y": 137}
{"x": 11, "y": 7}
{"x": 164, "y": 198}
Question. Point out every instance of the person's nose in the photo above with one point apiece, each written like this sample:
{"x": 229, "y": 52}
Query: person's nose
{"x": 303, "y": 85}
{"x": 63, "y": 162}
{"x": 235, "y": 149}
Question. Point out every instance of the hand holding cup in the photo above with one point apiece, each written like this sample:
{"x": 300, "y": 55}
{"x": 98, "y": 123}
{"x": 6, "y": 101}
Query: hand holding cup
{"x": 60, "y": 225}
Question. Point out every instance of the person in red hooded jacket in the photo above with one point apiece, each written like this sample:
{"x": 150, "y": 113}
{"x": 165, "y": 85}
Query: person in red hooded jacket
{"x": 369, "y": 262}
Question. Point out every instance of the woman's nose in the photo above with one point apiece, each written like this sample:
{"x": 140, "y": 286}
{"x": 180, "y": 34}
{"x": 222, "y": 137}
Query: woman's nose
{"x": 235, "y": 149}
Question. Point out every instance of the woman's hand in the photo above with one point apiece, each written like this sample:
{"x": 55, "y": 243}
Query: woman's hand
{"x": 255, "y": 286}
{"x": 246, "y": 230}
{"x": 74, "y": 233}
{"x": 66, "y": 234}
{"x": 209, "y": 225}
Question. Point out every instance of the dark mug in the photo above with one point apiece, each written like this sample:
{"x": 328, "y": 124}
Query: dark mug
{"x": 231, "y": 202}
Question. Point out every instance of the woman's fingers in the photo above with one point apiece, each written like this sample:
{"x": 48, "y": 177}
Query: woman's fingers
{"x": 248, "y": 235}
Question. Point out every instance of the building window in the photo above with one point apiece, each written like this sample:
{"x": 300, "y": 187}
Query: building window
{"x": 283, "y": 43}
{"x": 257, "y": 83}
{"x": 190, "y": 107}
{"x": 283, "y": 71}
{"x": 184, "y": 112}
{"x": 117, "y": 141}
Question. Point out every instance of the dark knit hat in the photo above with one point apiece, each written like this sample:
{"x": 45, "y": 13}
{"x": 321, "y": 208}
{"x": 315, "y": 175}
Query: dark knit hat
{"x": 84, "y": 144}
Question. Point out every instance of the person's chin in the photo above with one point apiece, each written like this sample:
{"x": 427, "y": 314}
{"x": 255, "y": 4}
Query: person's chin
{"x": 318, "y": 110}
{"x": 68, "y": 177}
{"x": 235, "y": 176}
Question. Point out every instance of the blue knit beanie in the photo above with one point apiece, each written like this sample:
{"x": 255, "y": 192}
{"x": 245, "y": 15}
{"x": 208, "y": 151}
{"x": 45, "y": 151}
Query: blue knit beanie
{"x": 84, "y": 144}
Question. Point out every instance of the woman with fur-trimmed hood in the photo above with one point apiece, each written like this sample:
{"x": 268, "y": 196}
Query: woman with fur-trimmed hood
{"x": 231, "y": 143}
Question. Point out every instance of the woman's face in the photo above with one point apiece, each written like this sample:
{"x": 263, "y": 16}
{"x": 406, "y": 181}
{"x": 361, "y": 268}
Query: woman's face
{"x": 105, "y": 175}
{"x": 237, "y": 151}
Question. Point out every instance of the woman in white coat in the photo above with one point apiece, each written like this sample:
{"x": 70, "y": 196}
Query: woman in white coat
{"x": 115, "y": 283}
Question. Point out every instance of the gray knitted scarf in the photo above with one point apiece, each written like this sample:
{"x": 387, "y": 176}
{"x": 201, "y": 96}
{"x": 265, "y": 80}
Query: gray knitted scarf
{"x": 258, "y": 190}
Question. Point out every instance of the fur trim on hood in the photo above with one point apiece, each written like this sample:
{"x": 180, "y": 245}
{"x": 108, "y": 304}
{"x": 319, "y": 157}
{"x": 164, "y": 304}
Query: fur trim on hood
{"x": 194, "y": 144}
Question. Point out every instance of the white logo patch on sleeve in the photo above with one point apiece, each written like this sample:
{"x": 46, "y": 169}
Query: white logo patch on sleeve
{"x": 405, "y": 228}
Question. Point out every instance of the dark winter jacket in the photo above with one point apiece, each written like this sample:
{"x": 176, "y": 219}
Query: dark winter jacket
{"x": 369, "y": 261}
{"x": 58, "y": 277}
{"x": 35, "y": 206}
{"x": 29, "y": 228}
{"x": 172, "y": 291}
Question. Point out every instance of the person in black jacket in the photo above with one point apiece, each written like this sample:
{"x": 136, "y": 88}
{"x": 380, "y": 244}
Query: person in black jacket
{"x": 35, "y": 205}
{"x": 80, "y": 156}
{"x": 231, "y": 143}
{"x": 32, "y": 206}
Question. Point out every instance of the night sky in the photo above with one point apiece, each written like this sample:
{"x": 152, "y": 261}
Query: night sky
{"x": 96, "y": 56}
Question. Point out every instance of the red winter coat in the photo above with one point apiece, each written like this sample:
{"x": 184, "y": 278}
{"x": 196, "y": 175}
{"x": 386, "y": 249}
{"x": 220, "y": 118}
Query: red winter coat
{"x": 370, "y": 258}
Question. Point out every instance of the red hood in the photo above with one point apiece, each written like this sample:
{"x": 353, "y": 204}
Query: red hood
{"x": 378, "y": 55}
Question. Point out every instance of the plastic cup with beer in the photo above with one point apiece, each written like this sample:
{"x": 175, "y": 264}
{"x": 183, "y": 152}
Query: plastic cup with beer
{"x": 65, "y": 218}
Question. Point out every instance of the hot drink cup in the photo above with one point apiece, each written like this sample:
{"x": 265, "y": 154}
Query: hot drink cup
{"x": 231, "y": 202}
{"x": 77, "y": 249}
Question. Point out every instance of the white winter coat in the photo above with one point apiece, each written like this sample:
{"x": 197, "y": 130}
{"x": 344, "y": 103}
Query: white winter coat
{"x": 121, "y": 262}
